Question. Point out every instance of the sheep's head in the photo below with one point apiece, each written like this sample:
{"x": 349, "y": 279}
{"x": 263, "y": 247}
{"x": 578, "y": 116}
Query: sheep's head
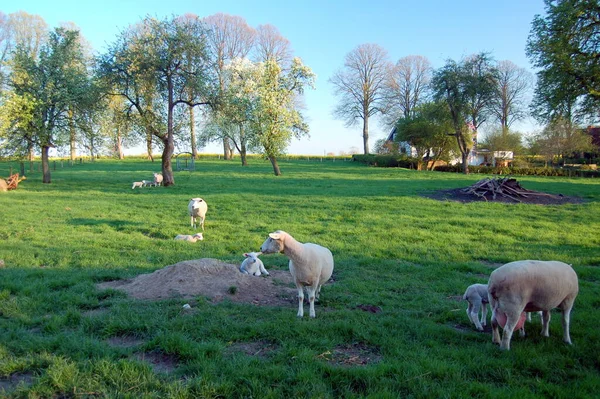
{"x": 273, "y": 244}
{"x": 198, "y": 236}
{"x": 252, "y": 256}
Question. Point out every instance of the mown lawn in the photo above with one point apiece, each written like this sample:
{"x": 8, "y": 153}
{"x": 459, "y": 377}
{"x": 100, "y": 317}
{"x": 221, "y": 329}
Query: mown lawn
{"x": 390, "y": 325}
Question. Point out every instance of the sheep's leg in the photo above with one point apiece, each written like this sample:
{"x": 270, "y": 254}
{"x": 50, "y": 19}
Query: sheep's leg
{"x": 202, "y": 223}
{"x": 263, "y": 270}
{"x": 300, "y": 300}
{"x": 509, "y": 328}
{"x": 311, "y": 300}
{"x": 484, "y": 314}
{"x": 495, "y": 332}
{"x": 546, "y": 323}
{"x": 475, "y": 315}
{"x": 192, "y": 222}
{"x": 529, "y": 316}
{"x": 566, "y": 307}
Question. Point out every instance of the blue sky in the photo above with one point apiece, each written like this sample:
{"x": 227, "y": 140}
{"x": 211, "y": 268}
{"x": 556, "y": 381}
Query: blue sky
{"x": 323, "y": 32}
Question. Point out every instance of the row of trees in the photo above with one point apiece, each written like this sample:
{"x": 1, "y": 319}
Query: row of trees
{"x": 427, "y": 106}
{"x": 149, "y": 85}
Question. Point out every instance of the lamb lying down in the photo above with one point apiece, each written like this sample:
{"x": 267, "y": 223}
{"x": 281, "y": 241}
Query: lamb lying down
{"x": 253, "y": 265}
{"x": 531, "y": 285}
{"x": 189, "y": 238}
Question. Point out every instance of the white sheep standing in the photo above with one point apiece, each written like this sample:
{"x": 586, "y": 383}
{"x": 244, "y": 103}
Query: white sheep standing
{"x": 197, "y": 208}
{"x": 253, "y": 265}
{"x": 148, "y": 183}
{"x": 158, "y": 179}
{"x": 137, "y": 184}
{"x": 477, "y": 297}
{"x": 527, "y": 286}
{"x": 189, "y": 238}
{"x": 311, "y": 265}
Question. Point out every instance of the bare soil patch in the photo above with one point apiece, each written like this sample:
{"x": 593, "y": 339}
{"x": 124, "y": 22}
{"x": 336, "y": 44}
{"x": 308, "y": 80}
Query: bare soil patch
{"x": 259, "y": 349}
{"x": 356, "y": 354}
{"x": 10, "y": 383}
{"x": 211, "y": 278}
{"x": 160, "y": 362}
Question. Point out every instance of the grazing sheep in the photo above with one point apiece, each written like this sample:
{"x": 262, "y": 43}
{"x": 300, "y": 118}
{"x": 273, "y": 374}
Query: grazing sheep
{"x": 137, "y": 184}
{"x": 311, "y": 265}
{"x": 158, "y": 179}
{"x": 531, "y": 285}
{"x": 477, "y": 297}
{"x": 147, "y": 183}
{"x": 197, "y": 208}
{"x": 253, "y": 265}
{"x": 189, "y": 238}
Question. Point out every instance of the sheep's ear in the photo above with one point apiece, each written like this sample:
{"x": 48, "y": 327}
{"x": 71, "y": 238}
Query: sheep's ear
{"x": 275, "y": 236}
{"x": 246, "y": 255}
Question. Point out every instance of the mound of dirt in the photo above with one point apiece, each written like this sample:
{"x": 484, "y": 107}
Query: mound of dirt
{"x": 210, "y": 278}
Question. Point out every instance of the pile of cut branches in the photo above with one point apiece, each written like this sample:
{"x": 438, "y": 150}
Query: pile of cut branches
{"x": 506, "y": 187}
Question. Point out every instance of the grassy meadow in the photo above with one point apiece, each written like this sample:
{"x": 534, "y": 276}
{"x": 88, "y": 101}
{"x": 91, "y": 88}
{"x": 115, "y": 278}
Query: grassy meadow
{"x": 390, "y": 325}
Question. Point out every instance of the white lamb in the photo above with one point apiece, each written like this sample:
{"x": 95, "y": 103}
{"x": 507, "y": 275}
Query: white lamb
{"x": 253, "y": 265}
{"x": 137, "y": 184}
{"x": 527, "y": 286}
{"x": 197, "y": 208}
{"x": 189, "y": 238}
{"x": 158, "y": 179}
{"x": 311, "y": 265}
{"x": 477, "y": 297}
{"x": 147, "y": 183}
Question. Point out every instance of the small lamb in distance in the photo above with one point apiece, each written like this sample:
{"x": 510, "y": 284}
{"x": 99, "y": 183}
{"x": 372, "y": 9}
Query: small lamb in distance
{"x": 253, "y": 265}
{"x": 311, "y": 265}
{"x": 531, "y": 285}
{"x": 147, "y": 183}
{"x": 189, "y": 238}
{"x": 137, "y": 184}
{"x": 197, "y": 208}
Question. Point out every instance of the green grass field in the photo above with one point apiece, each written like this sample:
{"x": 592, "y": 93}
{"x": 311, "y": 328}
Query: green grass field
{"x": 408, "y": 257}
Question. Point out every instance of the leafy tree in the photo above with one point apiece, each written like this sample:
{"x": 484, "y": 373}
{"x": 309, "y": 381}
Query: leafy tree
{"x": 274, "y": 116}
{"x": 230, "y": 37}
{"x": 157, "y": 66}
{"x": 503, "y": 139}
{"x": 565, "y": 45}
{"x": 360, "y": 85}
{"x": 427, "y": 131}
{"x": 467, "y": 88}
{"x": 44, "y": 89}
{"x": 561, "y": 138}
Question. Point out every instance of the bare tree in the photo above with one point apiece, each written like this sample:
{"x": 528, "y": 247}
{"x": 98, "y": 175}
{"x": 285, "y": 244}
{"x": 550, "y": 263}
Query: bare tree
{"x": 271, "y": 45}
{"x": 407, "y": 86}
{"x": 229, "y": 37}
{"x": 360, "y": 84}
{"x": 28, "y": 31}
{"x": 513, "y": 83}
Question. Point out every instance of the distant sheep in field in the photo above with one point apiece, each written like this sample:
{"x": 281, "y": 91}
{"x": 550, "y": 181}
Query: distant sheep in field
{"x": 189, "y": 238}
{"x": 527, "y": 286}
{"x": 311, "y": 265}
{"x": 253, "y": 265}
{"x": 158, "y": 179}
{"x": 147, "y": 183}
{"x": 139, "y": 184}
{"x": 197, "y": 208}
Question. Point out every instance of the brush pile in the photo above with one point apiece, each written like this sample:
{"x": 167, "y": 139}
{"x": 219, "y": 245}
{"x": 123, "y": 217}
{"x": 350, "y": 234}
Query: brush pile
{"x": 507, "y": 187}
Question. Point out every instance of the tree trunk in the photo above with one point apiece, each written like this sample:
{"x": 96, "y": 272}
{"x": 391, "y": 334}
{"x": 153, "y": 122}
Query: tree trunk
{"x": 119, "y": 144}
{"x": 46, "y": 165}
{"x": 226, "y": 149}
{"x": 275, "y": 166}
{"x": 366, "y": 134}
{"x": 72, "y": 136}
{"x": 167, "y": 170}
{"x": 243, "y": 146}
{"x": 149, "y": 144}
{"x": 193, "y": 133}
